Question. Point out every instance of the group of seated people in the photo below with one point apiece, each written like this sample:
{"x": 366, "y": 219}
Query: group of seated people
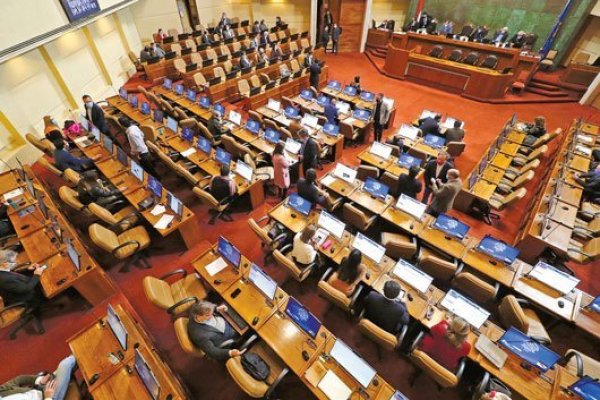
{"x": 427, "y": 23}
{"x": 590, "y": 181}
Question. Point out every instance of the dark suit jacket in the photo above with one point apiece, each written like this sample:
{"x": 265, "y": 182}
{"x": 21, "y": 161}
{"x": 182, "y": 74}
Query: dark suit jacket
{"x": 206, "y": 39}
{"x": 429, "y": 125}
{"x": 309, "y": 192}
{"x": 245, "y": 63}
{"x": 16, "y": 287}
{"x": 390, "y": 25}
{"x": 500, "y": 37}
{"x": 18, "y": 384}
{"x": 517, "y": 40}
{"x": 335, "y": 33}
{"x": 63, "y": 160}
{"x": 455, "y": 135}
{"x": 315, "y": 72}
{"x": 389, "y": 315}
{"x": 330, "y": 113}
{"x": 479, "y": 34}
{"x": 409, "y": 186}
{"x": 209, "y": 339}
{"x": 310, "y": 154}
{"x": 98, "y": 118}
{"x": 308, "y": 61}
{"x": 430, "y": 168}
{"x": 328, "y": 19}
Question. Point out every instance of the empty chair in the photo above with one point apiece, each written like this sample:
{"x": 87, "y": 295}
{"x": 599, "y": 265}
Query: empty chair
{"x": 43, "y": 145}
{"x": 195, "y": 58}
{"x": 173, "y": 32}
{"x": 366, "y": 171}
{"x": 176, "y": 297}
{"x": 437, "y": 265}
{"x": 584, "y": 253}
{"x": 586, "y": 230}
{"x": 399, "y": 245}
{"x": 499, "y": 202}
{"x": 254, "y": 81}
{"x": 189, "y": 43}
{"x": 471, "y": 58}
{"x": 179, "y": 113}
{"x": 490, "y": 61}
{"x": 203, "y": 130}
{"x": 269, "y": 123}
{"x": 506, "y": 186}
{"x": 216, "y": 208}
{"x": 542, "y": 140}
{"x": 519, "y": 160}
{"x": 224, "y": 50}
{"x": 358, "y": 218}
{"x": 154, "y": 100}
{"x": 243, "y": 88}
{"x": 18, "y": 314}
{"x": 475, "y": 287}
{"x": 219, "y": 72}
{"x": 284, "y": 261}
{"x": 236, "y": 46}
{"x": 580, "y": 364}
{"x": 294, "y": 66}
{"x": 266, "y": 242}
{"x": 513, "y": 173}
{"x": 200, "y": 81}
{"x": 211, "y": 54}
{"x": 349, "y": 132}
{"x": 293, "y": 47}
{"x": 335, "y": 295}
{"x": 176, "y": 48}
{"x": 581, "y": 58}
{"x": 304, "y": 43}
{"x": 228, "y": 66}
{"x": 392, "y": 181}
{"x": 167, "y": 108}
{"x": 436, "y": 51}
{"x": 72, "y": 177}
{"x": 49, "y": 166}
{"x": 122, "y": 220}
{"x": 588, "y": 211}
{"x": 455, "y": 149}
{"x": 129, "y": 244}
{"x": 513, "y": 313}
{"x": 455, "y": 55}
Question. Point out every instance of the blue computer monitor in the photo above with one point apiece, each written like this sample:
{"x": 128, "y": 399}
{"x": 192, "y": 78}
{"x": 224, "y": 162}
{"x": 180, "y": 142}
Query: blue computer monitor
{"x": 490, "y": 153}
{"x": 187, "y": 134}
{"x": 323, "y": 100}
{"x": 220, "y": 108}
{"x": 587, "y": 388}
{"x": 222, "y": 156}
{"x": 229, "y": 252}
{"x": 500, "y": 141}
{"x": 145, "y": 108}
{"x": 595, "y": 304}
{"x": 191, "y": 95}
{"x": 367, "y": 96}
{"x": 306, "y": 94}
{"x": 451, "y": 226}
{"x": 405, "y": 160}
{"x": 123, "y": 93}
{"x": 253, "y": 126}
{"x": 434, "y": 141}
{"x": 107, "y": 143}
{"x": 172, "y": 124}
{"x": 473, "y": 180}
{"x": 204, "y": 102}
{"x": 155, "y": 186}
{"x": 175, "y": 204}
{"x": 158, "y": 116}
{"x": 122, "y": 157}
{"x": 361, "y": 114}
{"x": 167, "y": 83}
{"x": 376, "y": 188}
{"x": 133, "y": 100}
{"x": 291, "y": 112}
{"x": 331, "y": 129}
{"x": 528, "y": 349}
{"x": 302, "y": 317}
{"x": 350, "y": 90}
{"x": 335, "y": 85}
{"x": 204, "y": 145}
{"x": 179, "y": 89}
{"x": 271, "y": 135}
{"x": 498, "y": 249}
{"x": 482, "y": 165}
{"x": 299, "y": 204}
{"x": 137, "y": 171}
{"x": 398, "y": 396}
{"x": 146, "y": 375}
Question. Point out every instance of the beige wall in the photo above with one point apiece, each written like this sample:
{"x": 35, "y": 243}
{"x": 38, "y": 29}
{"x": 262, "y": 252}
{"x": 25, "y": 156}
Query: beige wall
{"x": 589, "y": 41}
{"x": 390, "y": 9}
{"x": 296, "y": 13}
{"x": 149, "y": 15}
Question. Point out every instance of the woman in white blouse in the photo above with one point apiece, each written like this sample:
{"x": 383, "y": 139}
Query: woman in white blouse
{"x": 304, "y": 249}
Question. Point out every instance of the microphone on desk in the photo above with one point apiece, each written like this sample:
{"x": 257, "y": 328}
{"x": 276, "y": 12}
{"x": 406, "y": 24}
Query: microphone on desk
{"x": 361, "y": 392}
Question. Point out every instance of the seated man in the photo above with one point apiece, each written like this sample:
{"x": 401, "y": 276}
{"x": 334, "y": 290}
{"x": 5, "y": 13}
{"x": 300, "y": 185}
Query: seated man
{"x": 222, "y": 186}
{"x": 386, "y": 311}
{"x": 91, "y": 189}
{"x": 430, "y": 125}
{"x": 455, "y": 134}
{"x": 20, "y": 288}
{"x": 284, "y": 71}
{"x": 244, "y": 61}
{"x": 6, "y": 227}
{"x": 216, "y": 126}
{"x": 208, "y": 331}
{"x": 50, "y": 386}
{"x": 63, "y": 159}
{"x": 146, "y": 53}
{"x": 157, "y": 51}
{"x": 590, "y": 181}
{"x": 308, "y": 189}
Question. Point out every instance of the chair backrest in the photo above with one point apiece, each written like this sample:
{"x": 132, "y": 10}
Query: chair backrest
{"x": 224, "y": 49}
{"x": 46, "y": 164}
{"x": 530, "y": 166}
{"x": 254, "y": 81}
{"x": 173, "y": 32}
{"x": 264, "y": 78}
{"x": 355, "y": 217}
{"x": 437, "y": 267}
{"x": 229, "y": 144}
{"x": 513, "y": 197}
{"x": 334, "y": 295}
{"x": 455, "y": 149}
{"x": 211, "y": 54}
{"x": 289, "y": 265}
{"x": 392, "y": 181}
{"x": 285, "y": 134}
{"x": 436, "y": 51}
{"x": 553, "y": 134}
{"x": 142, "y": 90}
{"x": 512, "y": 314}
{"x": 456, "y": 55}
{"x": 243, "y": 87}
{"x": 102, "y": 213}
{"x": 490, "y": 61}
{"x": 346, "y": 130}
{"x": 293, "y": 46}
{"x": 176, "y": 47}
{"x": 383, "y": 338}
{"x": 523, "y": 179}
{"x": 256, "y": 116}
{"x": 471, "y": 58}
{"x": 190, "y": 45}
{"x": 271, "y": 124}
{"x": 179, "y": 113}
{"x": 181, "y": 331}
{"x": 69, "y": 197}
{"x": 236, "y": 46}
{"x": 228, "y": 66}
{"x": 433, "y": 369}
{"x": 294, "y": 65}
{"x": 218, "y": 71}
{"x": 43, "y": 145}
{"x": 367, "y": 171}
{"x": 206, "y": 198}
{"x": 179, "y": 65}
{"x": 71, "y": 176}
{"x": 262, "y": 234}
{"x": 187, "y": 175}
{"x": 199, "y": 79}
{"x": 196, "y": 58}
{"x": 149, "y": 132}
{"x": 103, "y": 237}
{"x": 304, "y": 43}
{"x": 153, "y": 99}
{"x": 158, "y": 292}
{"x": 537, "y": 153}
{"x": 474, "y": 287}
{"x": 205, "y": 132}
{"x": 592, "y": 248}
{"x": 581, "y": 58}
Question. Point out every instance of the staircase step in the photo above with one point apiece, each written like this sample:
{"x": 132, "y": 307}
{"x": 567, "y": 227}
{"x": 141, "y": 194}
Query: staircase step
{"x": 546, "y": 92}
{"x": 544, "y": 86}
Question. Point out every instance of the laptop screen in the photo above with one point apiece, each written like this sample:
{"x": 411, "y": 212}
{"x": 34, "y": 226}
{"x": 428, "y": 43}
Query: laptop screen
{"x": 310, "y": 120}
{"x": 553, "y": 277}
{"x": 587, "y": 388}
{"x": 409, "y": 132}
{"x": 451, "y": 226}
{"x": 222, "y": 156}
{"x": 306, "y": 94}
{"x": 367, "y": 96}
{"x": 323, "y": 100}
{"x": 331, "y": 129}
{"x": 465, "y": 308}
{"x": 146, "y": 375}
{"x": 108, "y": 144}
{"x": 235, "y": 117}
{"x": 411, "y": 206}
{"x": 122, "y": 157}
{"x": 172, "y": 124}
{"x": 368, "y": 247}
{"x": 158, "y": 116}
{"x": 253, "y": 126}
{"x": 167, "y": 83}
{"x": 204, "y": 102}
{"x": 133, "y": 100}
{"x": 274, "y": 105}
{"x": 299, "y": 204}
{"x": 350, "y": 90}
{"x": 145, "y": 108}
{"x": 335, "y": 85}
{"x": 381, "y": 150}
{"x": 406, "y": 160}
{"x": 345, "y": 173}
{"x": 243, "y": 170}
{"x": 187, "y": 134}
{"x": 175, "y": 204}
{"x": 73, "y": 254}
{"x": 361, "y": 114}
{"x": 376, "y": 188}
{"x": 528, "y": 349}
{"x": 137, "y": 171}
{"x": 292, "y": 145}
{"x": 123, "y": 93}
{"x": 179, "y": 89}
{"x": 291, "y": 112}
{"x": 272, "y": 135}
{"x": 352, "y": 363}
{"x": 434, "y": 141}
{"x": 412, "y": 275}
{"x": 155, "y": 186}
{"x": 302, "y": 317}
{"x": 191, "y": 95}
{"x": 116, "y": 326}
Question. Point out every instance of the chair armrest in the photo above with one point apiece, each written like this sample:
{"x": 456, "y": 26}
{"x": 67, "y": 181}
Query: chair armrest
{"x": 416, "y": 341}
{"x": 130, "y": 242}
{"x": 481, "y": 387}
{"x": 361, "y": 315}
{"x": 285, "y": 248}
{"x": 523, "y": 302}
{"x": 174, "y": 272}
{"x": 15, "y": 305}
{"x": 227, "y": 343}
{"x": 21, "y": 266}
{"x": 461, "y": 368}
{"x": 327, "y": 274}
{"x": 306, "y": 271}
{"x": 496, "y": 290}
{"x": 357, "y": 291}
{"x": 125, "y": 219}
{"x": 578, "y": 360}
{"x": 226, "y": 200}
{"x": 263, "y": 218}
{"x": 276, "y": 382}
{"x": 249, "y": 341}
{"x": 459, "y": 268}
{"x": 401, "y": 335}
{"x": 174, "y": 307}
{"x": 580, "y": 251}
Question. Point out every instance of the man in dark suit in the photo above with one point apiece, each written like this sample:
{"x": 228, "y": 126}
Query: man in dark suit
{"x": 430, "y": 125}
{"x": 409, "y": 185}
{"x": 390, "y": 25}
{"x": 216, "y": 126}
{"x": 412, "y": 25}
{"x": 387, "y": 311}
{"x": 325, "y": 38}
{"x": 425, "y": 20}
{"x": 263, "y": 26}
{"x": 328, "y": 19}
{"x": 500, "y": 36}
{"x": 518, "y": 39}
{"x": 256, "y": 27}
{"x": 309, "y": 152}
{"x": 435, "y": 169}
{"x": 208, "y": 331}
{"x": 456, "y": 133}
{"x": 244, "y": 61}
{"x": 276, "y": 52}
{"x": 224, "y": 20}
{"x": 19, "y": 288}
{"x": 480, "y": 33}
{"x": 381, "y": 116}
{"x": 331, "y": 112}
{"x": 264, "y": 38}
{"x": 227, "y": 32}
{"x": 308, "y": 59}
{"x": 206, "y": 39}
{"x": 307, "y": 188}
{"x": 336, "y": 31}
{"x": 444, "y": 193}
{"x": 590, "y": 181}
{"x": 315, "y": 73}
{"x": 95, "y": 114}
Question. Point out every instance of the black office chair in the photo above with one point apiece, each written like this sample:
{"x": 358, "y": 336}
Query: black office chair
{"x": 530, "y": 40}
{"x": 472, "y": 58}
{"x": 456, "y": 55}
{"x": 436, "y": 51}
{"x": 490, "y": 62}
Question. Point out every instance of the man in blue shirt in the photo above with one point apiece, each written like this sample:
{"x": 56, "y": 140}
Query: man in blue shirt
{"x": 63, "y": 159}
{"x": 330, "y": 112}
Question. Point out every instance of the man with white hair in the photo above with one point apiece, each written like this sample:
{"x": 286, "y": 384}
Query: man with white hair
{"x": 500, "y": 36}
{"x": 518, "y": 39}
{"x": 444, "y": 193}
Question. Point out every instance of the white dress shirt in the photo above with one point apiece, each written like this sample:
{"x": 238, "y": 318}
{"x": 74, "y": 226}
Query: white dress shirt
{"x": 136, "y": 140}
{"x": 304, "y": 253}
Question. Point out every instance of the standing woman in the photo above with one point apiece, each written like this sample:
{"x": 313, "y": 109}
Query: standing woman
{"x": 281, "y": 170}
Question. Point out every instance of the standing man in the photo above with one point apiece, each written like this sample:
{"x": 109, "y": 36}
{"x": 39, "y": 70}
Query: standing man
{"x": 315, "y": 73}
{"x": 224, "y": 20}
{"x": 335, "y": 37}
{"x": 309, "y": 152}
{"x": 94, "y": 113}
{"x": 325, "y": 38}
{"x": 327, "y": 19}
{"x": 308, "y": 59}
{"x": 381, "y": 117}
{"x": 435, "y": 169}
{"x": 444, "y": 193}
{"x": 330, "y": 111}
{"x": 137, "y": 143}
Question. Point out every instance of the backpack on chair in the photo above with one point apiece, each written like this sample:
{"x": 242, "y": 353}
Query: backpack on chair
{"x": 255, "y": 366}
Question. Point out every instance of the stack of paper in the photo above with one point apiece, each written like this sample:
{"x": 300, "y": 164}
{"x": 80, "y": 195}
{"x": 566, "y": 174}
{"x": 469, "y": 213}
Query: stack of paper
{"x": 333, "y": 387}
{"x": 164, "y": 221}
{"x": 216, "y": 266}
{"x": 188, "y": 152}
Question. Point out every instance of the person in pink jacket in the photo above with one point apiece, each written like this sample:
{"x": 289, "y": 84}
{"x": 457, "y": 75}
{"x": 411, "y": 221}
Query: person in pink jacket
{"x": 281, "y": 170}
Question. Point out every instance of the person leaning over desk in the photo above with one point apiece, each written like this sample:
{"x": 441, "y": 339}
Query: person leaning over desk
{"x": 63, "y": 159}
{"x": 137, "y": 144}
{"x": 209, "y": 330}
{"x": 408, "y": 184}
{"x": 456, "y": 133}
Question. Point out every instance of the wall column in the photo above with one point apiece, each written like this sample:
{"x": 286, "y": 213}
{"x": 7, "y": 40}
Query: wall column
{"x": 366, "y": 25}
{"x": 591, "y": 92}
{"x": 313, "y": 22}
{"x": 97, "y": 56}
{"x": 117, "y": 21}
{"x": 59, "y": 79}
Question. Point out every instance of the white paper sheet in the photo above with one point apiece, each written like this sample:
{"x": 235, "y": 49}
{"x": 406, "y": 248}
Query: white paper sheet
{"x": 13, "y": 193}
{"x": 188, "y": 152}
{"x": 327, "y": 180}
{"x": 216, "y": 266}
{"x": 333, "y": 387}
{"x": 164, "y": 221}
{"x": 158, "y": 209}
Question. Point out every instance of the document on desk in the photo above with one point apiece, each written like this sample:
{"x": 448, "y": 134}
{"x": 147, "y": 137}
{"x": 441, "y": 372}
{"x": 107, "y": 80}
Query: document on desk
{"x": 164, "y": 221}
{"x": 282, "y": 120}
{"x": 13, "y": 193}
{"x": 583, "y": 150}
{"x": 553, "y": 277}
{"x": 188, "y": 152}
{"x": 327, "y": 180}
{"x": 158, "y": 209}
{"x": 216, "y": 266}
{"x": 333, "y": 387}
{"x": 491, "y": 351}
{"x": 585, "y": 139}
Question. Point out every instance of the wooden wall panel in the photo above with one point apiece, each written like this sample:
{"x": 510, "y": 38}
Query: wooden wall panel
{"x": 352, "y": 14}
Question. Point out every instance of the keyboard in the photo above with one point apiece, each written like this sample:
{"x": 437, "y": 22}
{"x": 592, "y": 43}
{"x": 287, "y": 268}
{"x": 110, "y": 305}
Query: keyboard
{"x": 235, "y": 317}
{"x": 491, "y": 351}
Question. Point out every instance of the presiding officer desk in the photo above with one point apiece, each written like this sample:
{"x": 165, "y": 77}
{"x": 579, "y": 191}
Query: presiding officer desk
{"x": 112, "y": 372}
{"x": 48, "y": 238}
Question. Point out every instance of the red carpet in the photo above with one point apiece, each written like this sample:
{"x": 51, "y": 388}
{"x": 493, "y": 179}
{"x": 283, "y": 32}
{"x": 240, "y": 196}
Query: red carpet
{"x": 209, "y": 380}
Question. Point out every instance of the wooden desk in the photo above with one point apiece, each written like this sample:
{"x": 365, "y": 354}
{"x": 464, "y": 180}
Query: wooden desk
{"x": 404, "y": 221}
{"x": 339, "y": 186}
{"x": 291, "y": 219}
{"x": 367, "y": 157}
{"x": 547, "y": 297}
{"x": 579, "y": 74}
{"x": 224, "y": 279}
{"x": 9, "y": 181}
{"x": 443, "y": 242}
{"x": 493, "y": 175}
{"x": 587, "y": 319}
{"x": 371, "y": 203}
{"x": 374, "y": 270}
{"x": 378, "y": 38}
{"x": 489, "y": 266}
{"x": 510, "y": 148}
{"x": 501, "y": 160}
{"x": 483, "y": 190}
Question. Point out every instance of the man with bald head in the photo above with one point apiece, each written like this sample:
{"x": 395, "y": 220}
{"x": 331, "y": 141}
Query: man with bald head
{"x": 444, "y": 193}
